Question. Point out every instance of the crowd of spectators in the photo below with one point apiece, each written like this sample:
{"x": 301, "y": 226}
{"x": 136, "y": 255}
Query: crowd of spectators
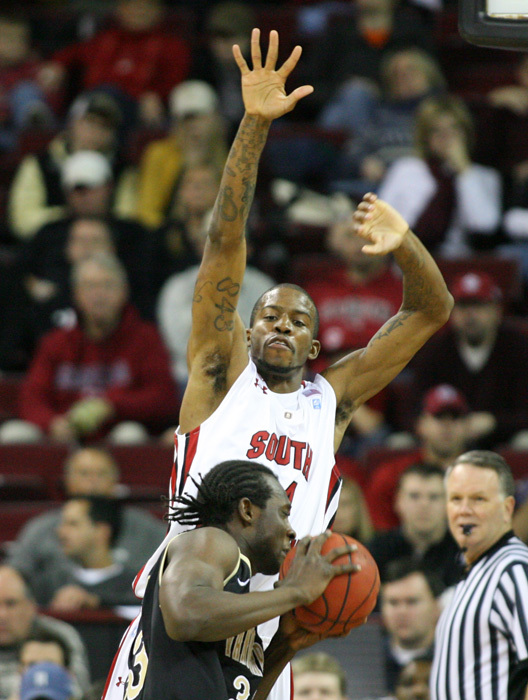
{"x": 115, "y": 122}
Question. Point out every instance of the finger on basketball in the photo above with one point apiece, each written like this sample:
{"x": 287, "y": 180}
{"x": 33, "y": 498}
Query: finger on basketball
{"x": 340, "y": 551}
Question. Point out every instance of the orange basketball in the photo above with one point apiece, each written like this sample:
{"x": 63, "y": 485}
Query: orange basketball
{"x": 348, "y": 598}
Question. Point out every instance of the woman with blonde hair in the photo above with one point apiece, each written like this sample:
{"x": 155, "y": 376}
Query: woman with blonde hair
{"x": 452, "y": 203}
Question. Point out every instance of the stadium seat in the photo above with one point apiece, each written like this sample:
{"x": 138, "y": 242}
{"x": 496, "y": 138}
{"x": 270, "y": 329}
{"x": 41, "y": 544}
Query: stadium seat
{"x": 14, "y": 515}
{"x": 43, "y": 461}
{"x": 145, "y": 469}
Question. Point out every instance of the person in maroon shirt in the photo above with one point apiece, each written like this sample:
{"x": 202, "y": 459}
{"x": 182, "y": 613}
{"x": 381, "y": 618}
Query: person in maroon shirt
{"x": 108, "y": 375}
{"x": 137, "y": 55}
{"x": 484, "y": 356}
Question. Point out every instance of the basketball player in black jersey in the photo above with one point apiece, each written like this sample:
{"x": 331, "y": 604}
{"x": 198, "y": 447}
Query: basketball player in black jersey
{"x": 197, "y": 639}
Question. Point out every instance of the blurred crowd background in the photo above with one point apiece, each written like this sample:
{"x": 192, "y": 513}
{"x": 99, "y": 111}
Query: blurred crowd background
{"x": 116, "y": 117}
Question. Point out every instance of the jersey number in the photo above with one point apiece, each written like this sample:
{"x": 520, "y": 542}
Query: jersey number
{"x": 241, "y": 684}
{"x": 290, "y": 491}
{"x": 136, "y": 675}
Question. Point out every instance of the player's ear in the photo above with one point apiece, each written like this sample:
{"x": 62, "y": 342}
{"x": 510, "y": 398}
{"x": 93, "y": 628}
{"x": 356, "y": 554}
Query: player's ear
{"x": 246, "y": 511}
{"x": 509, "y": 506}
{"x": 315, "y": 350}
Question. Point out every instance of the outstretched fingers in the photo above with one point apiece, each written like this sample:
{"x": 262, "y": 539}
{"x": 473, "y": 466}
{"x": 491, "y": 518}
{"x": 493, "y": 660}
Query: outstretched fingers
{"x": 240, "y": 60}
{"x": 273, "y": 50}
{"x": 256, "y": 54}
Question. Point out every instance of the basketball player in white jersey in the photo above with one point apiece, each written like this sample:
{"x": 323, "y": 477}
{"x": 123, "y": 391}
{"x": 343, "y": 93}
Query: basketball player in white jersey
{"x": 246, "y": 397}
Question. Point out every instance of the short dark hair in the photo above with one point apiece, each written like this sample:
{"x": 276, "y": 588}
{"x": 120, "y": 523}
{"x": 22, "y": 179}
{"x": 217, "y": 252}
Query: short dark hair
{"x": 48, "y": 637}
{"x": 424, "y": 469}
{"x": 287, "y": 285}
{"x": 403, "y": 567}
{"x": 219, "y": 493}
{"x": 102, "y": 509}
{"x": 485, "y": 459}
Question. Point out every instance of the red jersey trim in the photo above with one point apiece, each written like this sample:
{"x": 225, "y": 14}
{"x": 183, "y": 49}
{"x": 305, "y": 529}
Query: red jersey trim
{"x": 111, "y": 672}
{"x": 191, "y": 445}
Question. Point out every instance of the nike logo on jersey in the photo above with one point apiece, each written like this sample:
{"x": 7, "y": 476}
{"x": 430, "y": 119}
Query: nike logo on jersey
{"x": 243, "y": 583}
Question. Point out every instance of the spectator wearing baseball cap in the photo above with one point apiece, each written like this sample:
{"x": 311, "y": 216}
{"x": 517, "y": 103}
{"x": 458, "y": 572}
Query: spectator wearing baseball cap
{"x": 441, "y": 433}
{"x": 484, "y": 356}
{"x": 197, "y": 136}
{"x": 37, "y": 196}
{"x": 88, "y": 185}
{"x": 476, "y": 288}
{"x": 46, "y": 681}
{"x": 445, "y": 399}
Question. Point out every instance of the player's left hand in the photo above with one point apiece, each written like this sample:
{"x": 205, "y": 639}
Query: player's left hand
{"x": 379, "y": 224}
{"x": 296, "y": 636}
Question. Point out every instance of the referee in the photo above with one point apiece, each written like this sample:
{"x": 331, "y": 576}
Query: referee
{"x": 481, "y": 646}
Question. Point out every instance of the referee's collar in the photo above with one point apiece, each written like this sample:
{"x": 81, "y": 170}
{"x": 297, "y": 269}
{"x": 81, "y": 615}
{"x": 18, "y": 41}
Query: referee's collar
{"x": 501, "y": 542}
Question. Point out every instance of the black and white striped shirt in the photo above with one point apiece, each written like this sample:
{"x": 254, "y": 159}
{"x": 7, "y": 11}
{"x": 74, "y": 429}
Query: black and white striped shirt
{"x": 481, "y": 645}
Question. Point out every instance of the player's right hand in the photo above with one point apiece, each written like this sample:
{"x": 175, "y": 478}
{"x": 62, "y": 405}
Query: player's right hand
{"x": 311, "y": 571}
{"x": 263, "y": 86}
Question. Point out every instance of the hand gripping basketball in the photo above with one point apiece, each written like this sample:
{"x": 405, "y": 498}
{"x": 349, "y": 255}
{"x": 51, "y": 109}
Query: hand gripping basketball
{"x": 350, "y": 595}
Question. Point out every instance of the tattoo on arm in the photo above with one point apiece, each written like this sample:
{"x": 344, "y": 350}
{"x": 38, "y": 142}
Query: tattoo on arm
{"x": 240, "y": 174}
{"x": 423, "y": 286}
{"x": 227, "y": 207}
{"x": 197, "y": 298}
{"x": 391, "y": 324}
{"x": 225, "y": 319}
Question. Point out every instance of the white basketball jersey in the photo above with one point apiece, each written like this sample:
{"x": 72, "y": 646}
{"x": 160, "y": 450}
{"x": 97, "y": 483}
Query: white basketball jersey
{"x": 292, "y": 434}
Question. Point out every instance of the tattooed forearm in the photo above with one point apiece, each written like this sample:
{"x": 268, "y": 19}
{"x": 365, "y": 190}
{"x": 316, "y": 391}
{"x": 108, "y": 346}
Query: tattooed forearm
{"x": 197, "y": 298}
{"x": 227, "y": 208}
{"x": 424, "y": 288}
{"x": 237, "y": 188}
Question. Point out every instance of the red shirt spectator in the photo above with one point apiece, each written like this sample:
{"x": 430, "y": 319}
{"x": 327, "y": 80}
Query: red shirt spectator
{"x": 350, "y": 312}
{"x": 137, "y": 62}
{"x": 139, "y": 56}
{"x": 125, "y": 367}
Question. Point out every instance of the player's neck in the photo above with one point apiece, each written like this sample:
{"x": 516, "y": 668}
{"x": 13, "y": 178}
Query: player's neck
{"x": 281, "y": 380}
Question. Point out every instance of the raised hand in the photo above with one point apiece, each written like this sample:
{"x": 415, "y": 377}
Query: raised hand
{"x": 379, "y": 224}
{"x": 263, "y": 87}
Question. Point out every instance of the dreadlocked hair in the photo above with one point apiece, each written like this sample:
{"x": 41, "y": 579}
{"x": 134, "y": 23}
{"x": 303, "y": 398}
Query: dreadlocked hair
{"x": 219, "y": 493}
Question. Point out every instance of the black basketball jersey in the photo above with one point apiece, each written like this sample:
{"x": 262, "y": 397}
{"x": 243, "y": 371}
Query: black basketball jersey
{"x": 160, "y": 667}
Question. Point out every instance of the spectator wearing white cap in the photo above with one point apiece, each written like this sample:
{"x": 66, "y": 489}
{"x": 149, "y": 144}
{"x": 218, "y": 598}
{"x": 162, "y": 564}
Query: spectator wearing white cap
{"x": 197, "y": 136}
{"x": 37, "y": 196}
{"x": 484, "y": 356}
{"x": 88, "y": 226}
